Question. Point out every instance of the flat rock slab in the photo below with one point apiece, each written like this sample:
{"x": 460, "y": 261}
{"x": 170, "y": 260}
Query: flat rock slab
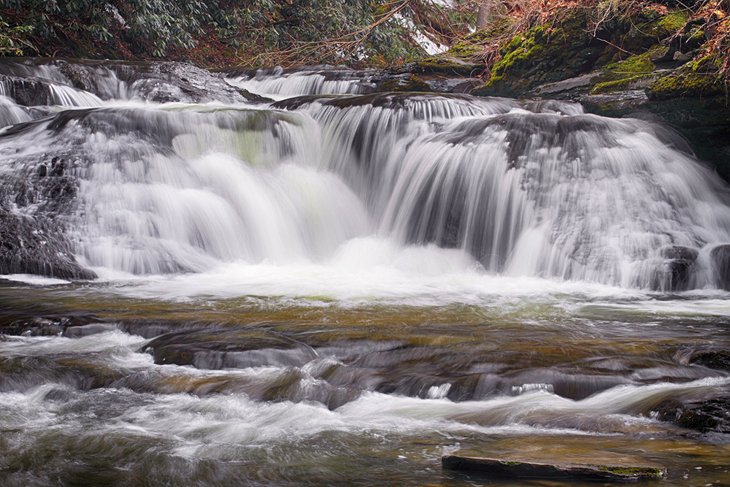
{"x": 504, "y": 468}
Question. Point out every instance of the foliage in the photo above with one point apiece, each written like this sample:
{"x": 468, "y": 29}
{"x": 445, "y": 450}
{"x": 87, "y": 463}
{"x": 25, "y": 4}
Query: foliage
{"x": 13, "y": 39}
{"x": 538, "y": 42}
{"x": 254, "y": 32}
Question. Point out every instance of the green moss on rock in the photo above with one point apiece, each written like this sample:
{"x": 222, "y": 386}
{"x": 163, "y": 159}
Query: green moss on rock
{"x": 412, "y": 84}
{"x": 448, "y": 65}
{"x": 544, "y": 54}
{"x": 628, "y": 83}
{"x": 698, "y": 78}
{"x": 630, "y": 472}
{"x": 672, "y": 22}
{"x": 633, "y": 65}
{"x": 631, "y": 73}
{"x": 658, "y": 26}
{"x": 473, "y": 45}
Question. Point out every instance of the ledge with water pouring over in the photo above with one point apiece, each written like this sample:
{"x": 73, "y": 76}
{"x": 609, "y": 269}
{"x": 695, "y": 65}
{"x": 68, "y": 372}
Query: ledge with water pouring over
{"x": 122, "y": 182}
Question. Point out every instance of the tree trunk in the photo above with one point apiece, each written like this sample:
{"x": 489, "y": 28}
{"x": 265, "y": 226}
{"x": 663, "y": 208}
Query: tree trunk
{"x": 484, "y": 14}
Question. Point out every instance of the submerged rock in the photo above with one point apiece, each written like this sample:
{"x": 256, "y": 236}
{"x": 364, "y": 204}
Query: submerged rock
{"x": 227, "y": 348}
{"x": 713, "y": 359}
{"x": 507, "y": 468}
{"x": 704, "y": 415}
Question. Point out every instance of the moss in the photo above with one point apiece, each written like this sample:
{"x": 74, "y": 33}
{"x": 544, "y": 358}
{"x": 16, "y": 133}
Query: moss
{"x": 412, "y": 84}
{"x": 447, "y": 65}
{"x": 638, "y": 64}
{"x": 617, "y": 85}
{"x": 474, "y": 44}
{"x": 544, "y": 54}
{"x": 695, "y": 35}
{"x": 673, "y": 21}
{"x": 625, "y": 74}
{"x": 520, "y": 49}
{"x": 698, "y": 78}
{"x": 653, "y": 472}
{"x": 664, "y": 25}
{"x": 519, "y": 54}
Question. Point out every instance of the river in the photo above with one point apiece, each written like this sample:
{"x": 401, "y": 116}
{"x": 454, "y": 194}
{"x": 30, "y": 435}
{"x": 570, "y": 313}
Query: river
{"x": 333, "y": 286}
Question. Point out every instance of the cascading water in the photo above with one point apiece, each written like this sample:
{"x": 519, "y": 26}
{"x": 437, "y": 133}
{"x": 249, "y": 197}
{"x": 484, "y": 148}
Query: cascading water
{"x": 279, "y": 84}
{"x": 526, "y": 190}
{"x": 339, "y": 287}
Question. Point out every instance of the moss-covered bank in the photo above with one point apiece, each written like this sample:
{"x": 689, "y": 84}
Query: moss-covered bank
{"x": 661, "y": 60}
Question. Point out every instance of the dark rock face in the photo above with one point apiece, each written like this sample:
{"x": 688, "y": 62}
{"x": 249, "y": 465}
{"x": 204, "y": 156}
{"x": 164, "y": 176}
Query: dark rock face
{"x": 36, "y": 246}
{"x": 676, "y": 273}
{"x": 665, "y": 79}
{"x": 703, "y": 415}
{"x": 720, "y": 258}
{"x": 27, "y": 92}
{"x": 32, "y": 205}
{"x": 713, "y": 359}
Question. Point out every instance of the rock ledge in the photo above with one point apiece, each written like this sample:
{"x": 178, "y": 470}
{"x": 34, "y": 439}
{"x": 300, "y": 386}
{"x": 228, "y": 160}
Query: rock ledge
{"x": 522, "y": 469}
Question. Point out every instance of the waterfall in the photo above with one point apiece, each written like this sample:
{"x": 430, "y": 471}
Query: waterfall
{"x": 522, "y": 188}
{"x": 279, "y": 84}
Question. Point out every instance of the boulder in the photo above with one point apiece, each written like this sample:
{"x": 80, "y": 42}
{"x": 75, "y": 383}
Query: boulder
{"x": 678, "y": 267}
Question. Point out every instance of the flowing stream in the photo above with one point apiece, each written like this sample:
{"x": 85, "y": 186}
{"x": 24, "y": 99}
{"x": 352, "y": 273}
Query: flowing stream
{"x": 326, "y": 285}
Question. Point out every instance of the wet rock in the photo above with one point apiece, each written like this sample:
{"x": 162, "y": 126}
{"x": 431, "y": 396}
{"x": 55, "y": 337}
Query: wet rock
{"x": 154, "y": 328}
{"x": 448, "y": 66}
{"x": 382, "y": 100}
{"x": 720, "y": 259}
{"x": 36, "y": 246}
{"x": 713, "y": 359}
{"x": 704, "y": 415}
{"x": 182, "y": 82}
{"x": 86, "y": 330}
{"x": 678, "y": 267}
{"x": 32, "y": 240}
{"x": 17, "y": 323}
{"x": 228, "y": 348}
{"x": 27, "y": 91}
{"x": 29, "y": 83}
{"x": 253, "y": 97}
{"x": 679, "y": 252}
{"x": 33, "y": 327}
{"x": 507, "y": 468}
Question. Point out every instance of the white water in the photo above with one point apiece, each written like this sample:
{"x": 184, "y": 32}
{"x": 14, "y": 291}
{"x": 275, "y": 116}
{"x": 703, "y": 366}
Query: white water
{"x": 393, "y": 197}
{"x": 201, "y": 426}
{"x": 279, "y": 85}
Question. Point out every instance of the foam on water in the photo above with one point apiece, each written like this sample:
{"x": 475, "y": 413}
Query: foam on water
{"x": 34, "y": 280}
{"x": 36, "y": 346}
{"x": 365, "y": 270}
